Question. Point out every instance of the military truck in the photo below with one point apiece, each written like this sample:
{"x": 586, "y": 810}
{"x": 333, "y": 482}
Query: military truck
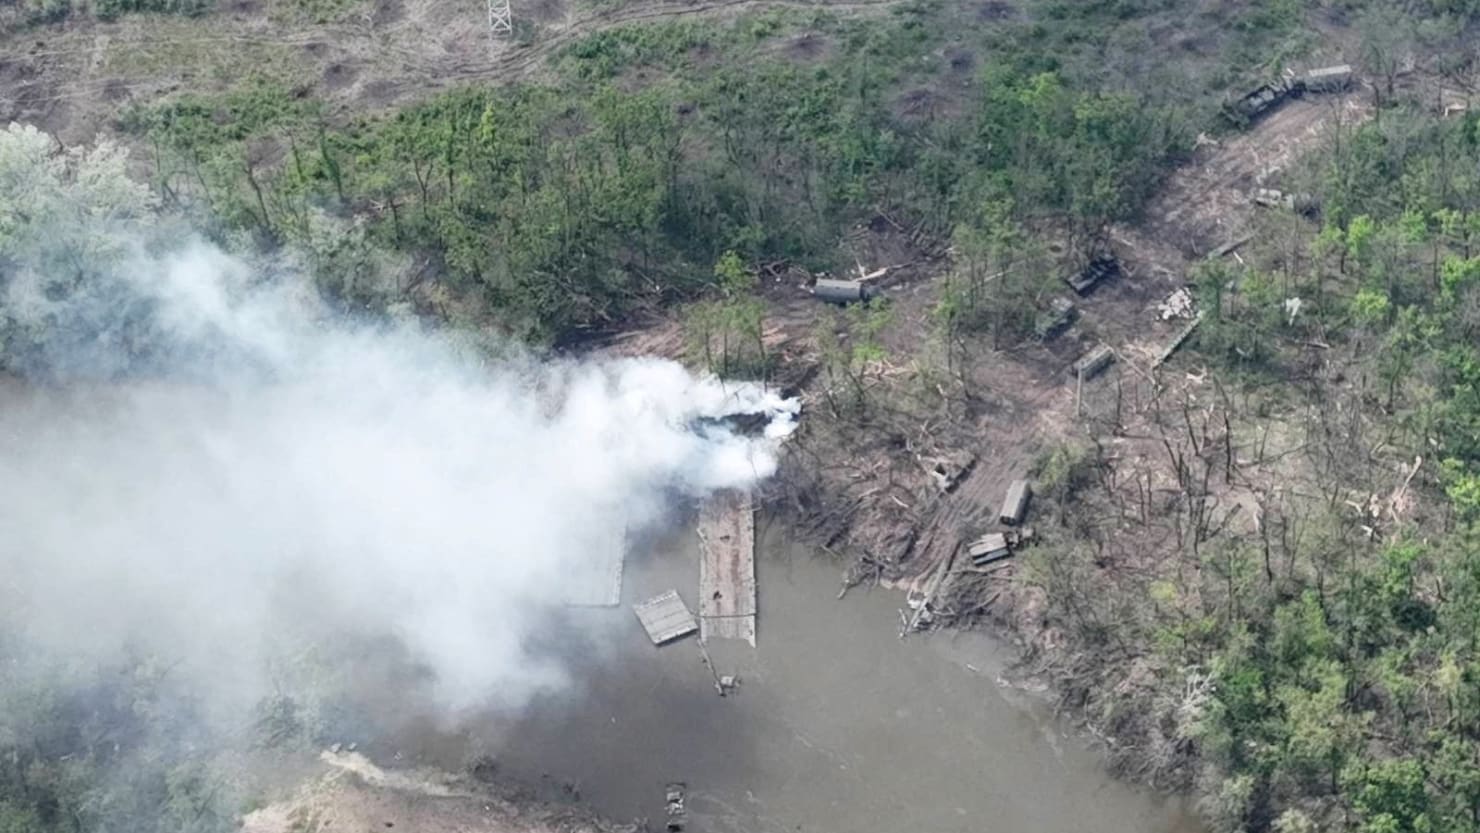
{"x": 1251, "y": 105}
{"x": 1054, "y": 320}
{"x": 1299, "y": 203}
{"x": 1256, "y": 102}
{"x": 1096, "y": 360}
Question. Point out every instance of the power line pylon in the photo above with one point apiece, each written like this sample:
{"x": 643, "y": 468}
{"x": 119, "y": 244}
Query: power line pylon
{"x": 500, "y": 19}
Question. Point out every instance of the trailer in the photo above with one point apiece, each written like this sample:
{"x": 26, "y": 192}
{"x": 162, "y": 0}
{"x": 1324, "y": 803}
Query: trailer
{"x": 1015, "y": 505}
{"x": 1094, "y": 361}
{"x": 1330, "y": 79}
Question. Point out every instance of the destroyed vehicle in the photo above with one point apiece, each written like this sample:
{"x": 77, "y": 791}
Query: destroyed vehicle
{"x": 1258, "y": 101}
{"x": 1015, "y": 505}
{"x": 1273, "y": 198}
{"x": 673, "y": 801}
{"x": 1094, "y": 361}
{"x": 842, "y": 292}
{"x": 1055, "y": 319}
{"x": 1100, "y": 267}
{"x": 997, "y": 546}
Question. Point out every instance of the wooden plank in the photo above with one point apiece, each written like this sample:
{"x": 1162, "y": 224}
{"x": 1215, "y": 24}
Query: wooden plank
{"x": 665, "y": 617}
{"x": 727, "y": 567}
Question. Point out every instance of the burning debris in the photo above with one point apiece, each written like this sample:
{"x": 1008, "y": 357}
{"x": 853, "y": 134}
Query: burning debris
{"x": 750, "y": 410}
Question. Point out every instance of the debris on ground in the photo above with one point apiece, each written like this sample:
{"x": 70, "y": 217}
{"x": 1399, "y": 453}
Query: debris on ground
{"x": 947, "y": 470}
{"x": 1225, "y": 249}
{"x": 673, "y": 805}
{"x": 918, "y": 599}
{"x": 1292, "y": 307}
{"x": 1179, "y": 304}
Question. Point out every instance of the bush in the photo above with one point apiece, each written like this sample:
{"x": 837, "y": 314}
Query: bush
{"x": 44, "y": 11}
{"x": 111, "y": 9}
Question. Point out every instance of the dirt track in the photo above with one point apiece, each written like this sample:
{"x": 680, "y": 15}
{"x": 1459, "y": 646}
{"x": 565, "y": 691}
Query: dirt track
{"x": 1206, "y": 204}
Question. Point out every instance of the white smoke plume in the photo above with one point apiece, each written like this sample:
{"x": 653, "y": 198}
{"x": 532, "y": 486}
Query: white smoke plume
{"x": 202, "y": 459}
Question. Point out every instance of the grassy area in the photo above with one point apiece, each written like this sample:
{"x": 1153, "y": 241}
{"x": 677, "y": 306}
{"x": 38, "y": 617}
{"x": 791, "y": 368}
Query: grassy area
{"x": 765, "y": 135}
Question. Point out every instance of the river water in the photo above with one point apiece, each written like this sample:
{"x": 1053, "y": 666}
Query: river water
{"x": 838, "y": 725}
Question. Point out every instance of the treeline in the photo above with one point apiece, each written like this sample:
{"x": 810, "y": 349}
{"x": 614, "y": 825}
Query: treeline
{"x": 37, "y": 13}
{"x": 562, "y": 207}
{"x": 1310, "y": 657}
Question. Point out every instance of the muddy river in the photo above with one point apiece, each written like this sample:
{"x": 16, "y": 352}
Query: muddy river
{"x": 838, "y": 725}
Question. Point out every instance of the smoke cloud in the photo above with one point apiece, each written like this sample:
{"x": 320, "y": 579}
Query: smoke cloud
{"x": 202, "y": 462}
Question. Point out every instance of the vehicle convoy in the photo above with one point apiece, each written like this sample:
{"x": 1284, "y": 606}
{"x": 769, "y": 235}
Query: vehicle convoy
{"x": 1270, "y": 94}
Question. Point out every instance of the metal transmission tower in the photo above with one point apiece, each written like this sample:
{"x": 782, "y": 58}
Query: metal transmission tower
{"x": 500, "y": 19}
